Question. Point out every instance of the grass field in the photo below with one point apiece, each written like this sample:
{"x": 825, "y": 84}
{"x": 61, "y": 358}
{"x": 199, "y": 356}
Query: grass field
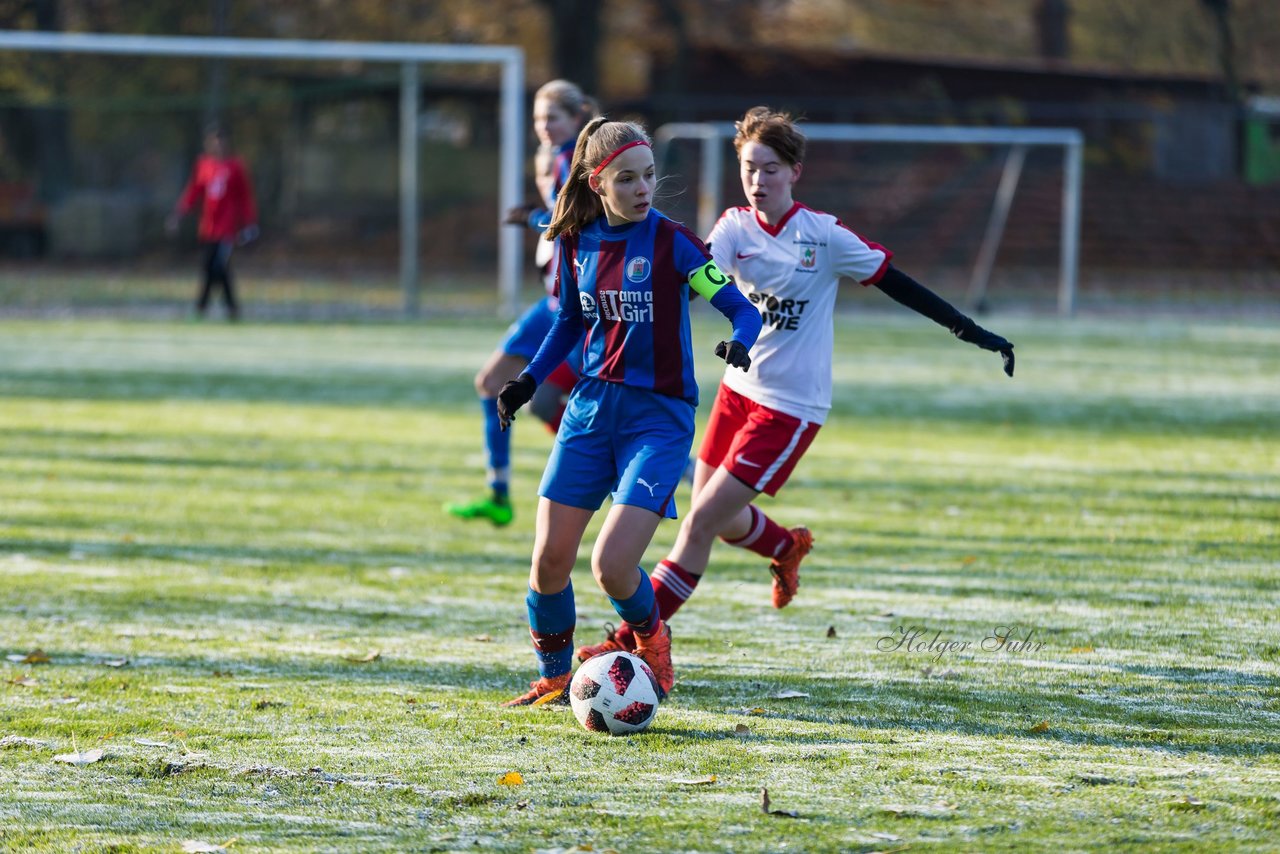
{"x": 210, "y": 531}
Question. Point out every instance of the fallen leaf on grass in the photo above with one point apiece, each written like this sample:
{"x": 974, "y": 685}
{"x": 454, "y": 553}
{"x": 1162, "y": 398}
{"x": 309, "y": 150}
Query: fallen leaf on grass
{"x": 259, "y": 705}
{"x": 1043, "y": 726}
{"x": 21, "y": 741}
{"x": 919, "y": 810}
{"x": 36, "y": 656}
{"x": 764, "y": 807}
{"x": 1187, "y": 802}
{"x": 115, "y": 662}
{"x": 24, "y": 682}
{"x": 67, "y": 701}
{"x": 482, "y": 638}
{"x": 522, "y": 805}
{"x": 1081, "y": 649}
{"x": 511, "y": 778}
{"x": 789, "y": 695}
{"x": 199, "y": 846}
{"x": 85, "y": 757}
{"x": 742, "y": 729}
{"x": 929, "y": 673}
{"x": 372, "y": 655}
{"x": 146, "y": 742}
{"x": 699, "y": 781}
{"x": 757, "y": 711}
{"x": 886, "y": 837}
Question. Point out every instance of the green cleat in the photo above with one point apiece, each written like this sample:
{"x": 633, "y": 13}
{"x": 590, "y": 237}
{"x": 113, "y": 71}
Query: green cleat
{"x": 496, "y": 510}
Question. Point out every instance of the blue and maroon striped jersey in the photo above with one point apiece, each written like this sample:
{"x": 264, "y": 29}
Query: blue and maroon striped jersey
{"x": 628, "y": 288}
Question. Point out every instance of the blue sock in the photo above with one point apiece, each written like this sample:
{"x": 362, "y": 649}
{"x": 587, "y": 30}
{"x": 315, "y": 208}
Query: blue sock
{"x": 640, "y": 610}
{"x": 551, "y": 621}
{"x": 497, "y": 443}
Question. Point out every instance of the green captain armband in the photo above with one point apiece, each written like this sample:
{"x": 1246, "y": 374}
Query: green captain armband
{"x": 707, "y": 280}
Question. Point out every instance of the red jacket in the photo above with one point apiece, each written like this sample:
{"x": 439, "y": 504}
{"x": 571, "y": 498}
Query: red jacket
{"x": 228, "y": 198}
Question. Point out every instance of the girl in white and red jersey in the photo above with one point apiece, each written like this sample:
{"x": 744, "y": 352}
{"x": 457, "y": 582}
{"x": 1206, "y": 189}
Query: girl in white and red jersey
{"x": 788, "y": 259}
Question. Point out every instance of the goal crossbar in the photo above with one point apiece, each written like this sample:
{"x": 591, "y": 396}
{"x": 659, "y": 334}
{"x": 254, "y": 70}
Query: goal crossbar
{"x": 1071, "y": 140}
{"x": 409, "y": 56}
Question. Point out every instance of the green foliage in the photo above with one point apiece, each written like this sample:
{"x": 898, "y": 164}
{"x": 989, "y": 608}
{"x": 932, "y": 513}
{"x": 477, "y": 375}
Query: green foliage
{"x": 238, "y": 512}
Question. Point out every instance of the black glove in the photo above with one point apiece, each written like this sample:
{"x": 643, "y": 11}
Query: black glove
{"x": 515, "y": 394}
{"x": 734, "y": 354}
{"x": 975, "y": 334}
{"x": 519, "y": 215}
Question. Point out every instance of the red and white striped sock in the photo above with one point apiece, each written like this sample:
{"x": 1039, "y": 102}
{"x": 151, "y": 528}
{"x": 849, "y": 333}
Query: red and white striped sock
{"x": 672, "y": 586}
{"x": 766, "y": 538}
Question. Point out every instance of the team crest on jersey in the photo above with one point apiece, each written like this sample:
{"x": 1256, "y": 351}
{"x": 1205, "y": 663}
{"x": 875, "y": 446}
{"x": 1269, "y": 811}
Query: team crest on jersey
{"x": 589, "y": 312}
{"x": 638, "y": 269}
{"x": 808, "y": 258}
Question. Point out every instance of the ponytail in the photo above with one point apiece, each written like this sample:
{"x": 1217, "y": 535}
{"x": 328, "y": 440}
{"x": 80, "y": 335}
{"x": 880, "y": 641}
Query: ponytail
{"x": 577, "y": 204}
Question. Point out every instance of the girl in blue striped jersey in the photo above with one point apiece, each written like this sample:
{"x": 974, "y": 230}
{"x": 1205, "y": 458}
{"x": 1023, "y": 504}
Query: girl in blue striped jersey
{"x": 625, "y": 274}
{"x": 560, "y": 109}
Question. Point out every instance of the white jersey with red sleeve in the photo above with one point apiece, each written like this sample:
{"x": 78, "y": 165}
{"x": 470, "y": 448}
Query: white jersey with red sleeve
{"x": 791, "y": 272}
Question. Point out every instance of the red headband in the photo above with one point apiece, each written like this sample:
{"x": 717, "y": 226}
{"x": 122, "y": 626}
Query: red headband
{"x": 603, "y": 163}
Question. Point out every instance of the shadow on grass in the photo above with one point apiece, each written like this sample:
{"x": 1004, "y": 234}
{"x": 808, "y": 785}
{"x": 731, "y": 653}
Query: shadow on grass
{"x": 451, "y": 388}
{"x": 266, "y": 560}
{"x": 429, "y": 387}
{"x": 1176, "y": 727}
{"x": 950, "y": 708}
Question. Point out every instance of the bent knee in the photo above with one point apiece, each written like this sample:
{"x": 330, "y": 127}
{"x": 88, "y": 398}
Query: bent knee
{"x": 487, "y": 384}
{"x": 699, "y": 528}
{"x": 553, "y": 563}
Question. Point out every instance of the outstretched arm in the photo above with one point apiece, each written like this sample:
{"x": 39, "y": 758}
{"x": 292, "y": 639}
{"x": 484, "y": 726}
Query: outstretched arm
{"x": 917, "y": 297}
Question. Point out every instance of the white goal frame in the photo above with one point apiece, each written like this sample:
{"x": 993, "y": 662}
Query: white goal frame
{"x": 409, "y": 56}
{"x": 714, "y": 134}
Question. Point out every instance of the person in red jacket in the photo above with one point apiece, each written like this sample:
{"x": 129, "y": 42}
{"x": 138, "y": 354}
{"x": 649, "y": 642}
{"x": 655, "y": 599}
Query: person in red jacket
{"x": 228, "y": 216}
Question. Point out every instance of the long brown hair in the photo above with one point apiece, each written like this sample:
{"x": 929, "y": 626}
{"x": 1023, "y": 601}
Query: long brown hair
{"x": 569, "y": 97}
{"x": 577, "y": 204}
{"x": 776, "y": 130}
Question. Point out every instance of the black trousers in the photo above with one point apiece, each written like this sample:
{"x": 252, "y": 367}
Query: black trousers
{"x": 217, "y": 271}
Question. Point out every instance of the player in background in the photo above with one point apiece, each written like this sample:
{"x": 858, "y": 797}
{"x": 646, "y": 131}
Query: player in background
{"x": 788, "y": 259}
{"x": 560, "y": 109}
{"x": 228, "y": 216}
{"x": 626, "y": 273}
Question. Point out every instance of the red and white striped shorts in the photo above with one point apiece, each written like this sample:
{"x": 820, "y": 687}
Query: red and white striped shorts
{"x": 757, "y": 445}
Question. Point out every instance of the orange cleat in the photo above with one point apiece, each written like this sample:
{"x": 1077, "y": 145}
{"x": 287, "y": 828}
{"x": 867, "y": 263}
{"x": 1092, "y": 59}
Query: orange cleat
{"x": 786, "y": 566}
{"x": 615, "y": 640}
{"x": 656, "y": 652}
{"x": 548, "y": 690}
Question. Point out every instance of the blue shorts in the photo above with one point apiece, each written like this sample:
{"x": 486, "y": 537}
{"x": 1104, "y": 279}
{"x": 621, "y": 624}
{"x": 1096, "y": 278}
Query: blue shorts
{"x": 525, "y": 336}
{"x": 620, "y": 440}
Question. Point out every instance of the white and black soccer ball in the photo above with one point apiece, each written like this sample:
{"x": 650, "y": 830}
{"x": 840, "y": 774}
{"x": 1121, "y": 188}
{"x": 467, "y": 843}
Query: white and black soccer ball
{"x": 614, "y": 693}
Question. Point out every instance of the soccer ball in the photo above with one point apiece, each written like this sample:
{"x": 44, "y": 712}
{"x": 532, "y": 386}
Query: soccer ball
{"x": 614, "y": 693}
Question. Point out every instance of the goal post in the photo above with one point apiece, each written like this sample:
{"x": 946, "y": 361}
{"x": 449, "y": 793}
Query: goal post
{"x": 409, "y": 57}
{"x": 712, "y": 136}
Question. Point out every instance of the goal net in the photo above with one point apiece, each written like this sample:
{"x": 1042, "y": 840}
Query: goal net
{"x": 379, "y": 172}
